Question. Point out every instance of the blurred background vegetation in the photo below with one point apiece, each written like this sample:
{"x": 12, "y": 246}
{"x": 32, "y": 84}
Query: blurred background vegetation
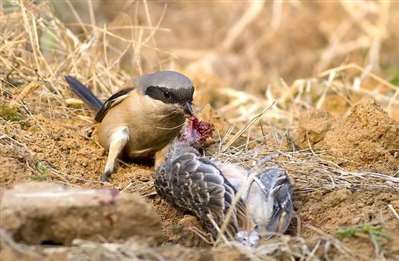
{"x": 261, "y": 47}
{"x": 254, "y": 41}
{"x": 289, "y": 52}
{"x": 243, "y": 42}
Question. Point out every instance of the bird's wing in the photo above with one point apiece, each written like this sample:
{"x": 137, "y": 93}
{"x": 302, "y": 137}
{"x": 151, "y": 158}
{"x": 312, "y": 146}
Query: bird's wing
{"x": 115, "y": 99}
{"x": 196, "y": 185}
{"x": 276, "y": 186}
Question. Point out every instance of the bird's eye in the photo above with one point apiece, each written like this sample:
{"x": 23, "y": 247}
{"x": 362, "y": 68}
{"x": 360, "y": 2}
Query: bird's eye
{"x": 166, "y": 94}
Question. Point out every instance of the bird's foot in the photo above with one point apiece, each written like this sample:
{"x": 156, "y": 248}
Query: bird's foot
{"x": 105, "y": 177}
{"x": 248, "y": 238}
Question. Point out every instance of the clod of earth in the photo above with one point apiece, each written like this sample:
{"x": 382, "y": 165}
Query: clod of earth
{"x": 42, "y": 213}
{"x": 367, "y": 139}
{"x": 312, "y": 128}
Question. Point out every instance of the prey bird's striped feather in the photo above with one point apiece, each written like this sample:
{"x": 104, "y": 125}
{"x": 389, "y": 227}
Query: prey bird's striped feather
{"x": 208, "y": 189}
{"x": 195, "y": 184}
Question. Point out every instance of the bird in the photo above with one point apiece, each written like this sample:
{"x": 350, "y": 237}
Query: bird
{"x": 260, "y": 202}
{"x": 138, "y": 122}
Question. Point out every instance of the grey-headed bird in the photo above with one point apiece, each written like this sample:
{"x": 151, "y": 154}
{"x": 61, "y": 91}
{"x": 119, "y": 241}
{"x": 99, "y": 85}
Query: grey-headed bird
{"x": 140, "y": 121}
{"x": 208, "y": 189}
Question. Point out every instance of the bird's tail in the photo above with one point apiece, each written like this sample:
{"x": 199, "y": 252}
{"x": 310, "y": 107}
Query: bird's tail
{"x": 84, "y": 93}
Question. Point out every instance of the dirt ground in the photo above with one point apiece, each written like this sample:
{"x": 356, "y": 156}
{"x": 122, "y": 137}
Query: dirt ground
{"x": 59, "y": 144}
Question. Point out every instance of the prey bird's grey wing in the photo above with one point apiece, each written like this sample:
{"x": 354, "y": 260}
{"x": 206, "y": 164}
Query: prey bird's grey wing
{"x": 194, "y": 184}
{"x": 277, "y": 187}
{"x": 115, "y": 99}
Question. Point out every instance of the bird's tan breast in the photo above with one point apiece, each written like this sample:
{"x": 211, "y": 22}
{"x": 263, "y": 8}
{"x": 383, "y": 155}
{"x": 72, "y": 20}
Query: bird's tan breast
{"x": 152, "y": 124}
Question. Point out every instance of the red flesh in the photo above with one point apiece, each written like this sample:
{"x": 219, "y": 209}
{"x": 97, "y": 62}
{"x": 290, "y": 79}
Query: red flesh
{"x": 197, "y": 131}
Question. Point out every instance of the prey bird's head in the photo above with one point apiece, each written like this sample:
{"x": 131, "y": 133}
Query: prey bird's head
{"x": 168, "y": 87}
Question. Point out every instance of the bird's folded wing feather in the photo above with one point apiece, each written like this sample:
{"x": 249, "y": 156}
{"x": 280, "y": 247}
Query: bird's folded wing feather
{"x": 115, "y": 99}
{"x": 196, "y": 185}
{"x": 278, "y": 187}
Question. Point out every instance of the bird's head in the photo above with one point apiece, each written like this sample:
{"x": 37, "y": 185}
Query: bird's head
{"x": 169, "y": 87}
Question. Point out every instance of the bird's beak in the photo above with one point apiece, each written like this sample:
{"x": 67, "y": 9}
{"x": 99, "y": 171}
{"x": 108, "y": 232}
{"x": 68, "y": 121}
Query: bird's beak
{"x": 188, "y": 109}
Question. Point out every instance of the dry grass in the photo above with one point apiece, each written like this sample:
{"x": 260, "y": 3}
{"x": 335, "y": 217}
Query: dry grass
{"x": 38, "y": 50}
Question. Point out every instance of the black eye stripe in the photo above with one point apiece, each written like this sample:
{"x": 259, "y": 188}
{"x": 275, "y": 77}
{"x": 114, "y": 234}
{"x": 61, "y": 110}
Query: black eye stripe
{"x": 170, "y": 95}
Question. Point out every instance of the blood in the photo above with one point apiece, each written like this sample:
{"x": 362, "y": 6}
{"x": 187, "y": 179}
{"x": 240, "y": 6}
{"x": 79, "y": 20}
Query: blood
{"x": 197, "y": 131}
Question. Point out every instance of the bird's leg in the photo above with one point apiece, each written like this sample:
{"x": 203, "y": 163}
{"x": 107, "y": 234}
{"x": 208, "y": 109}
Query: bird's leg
{"x": 119, "y": 140}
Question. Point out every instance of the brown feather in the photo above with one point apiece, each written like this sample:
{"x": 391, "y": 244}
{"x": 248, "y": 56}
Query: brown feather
{"x": 115, "y": 99}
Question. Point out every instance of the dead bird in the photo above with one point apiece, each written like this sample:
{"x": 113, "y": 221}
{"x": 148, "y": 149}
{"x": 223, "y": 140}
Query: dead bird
{"x": 254, "y": 203}
{"x": 138, "y": 122}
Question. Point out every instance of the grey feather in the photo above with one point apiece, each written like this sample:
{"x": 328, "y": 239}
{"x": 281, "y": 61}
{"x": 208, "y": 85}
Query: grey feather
{"x": 198, "y": 186}
{"x": 167, "y": 86}
{"x": 278, "y": 188}
{"x": 195, "y": 184}
{"x": 168, "y": 79}
{"x": 84, "y": 93}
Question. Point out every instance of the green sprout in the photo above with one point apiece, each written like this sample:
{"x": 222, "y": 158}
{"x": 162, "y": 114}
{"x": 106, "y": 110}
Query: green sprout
{"x": 375, "y": 233}
{"x": 42, "y": 170}
{"x": 10, "y": 113}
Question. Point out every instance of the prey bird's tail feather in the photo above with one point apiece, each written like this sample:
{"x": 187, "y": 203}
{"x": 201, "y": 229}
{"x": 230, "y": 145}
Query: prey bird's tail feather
{"x": 84, "y": 93}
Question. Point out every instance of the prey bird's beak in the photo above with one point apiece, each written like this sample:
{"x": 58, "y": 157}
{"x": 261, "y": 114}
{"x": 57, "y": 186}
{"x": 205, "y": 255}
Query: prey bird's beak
{"x": 188, "y": 109}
